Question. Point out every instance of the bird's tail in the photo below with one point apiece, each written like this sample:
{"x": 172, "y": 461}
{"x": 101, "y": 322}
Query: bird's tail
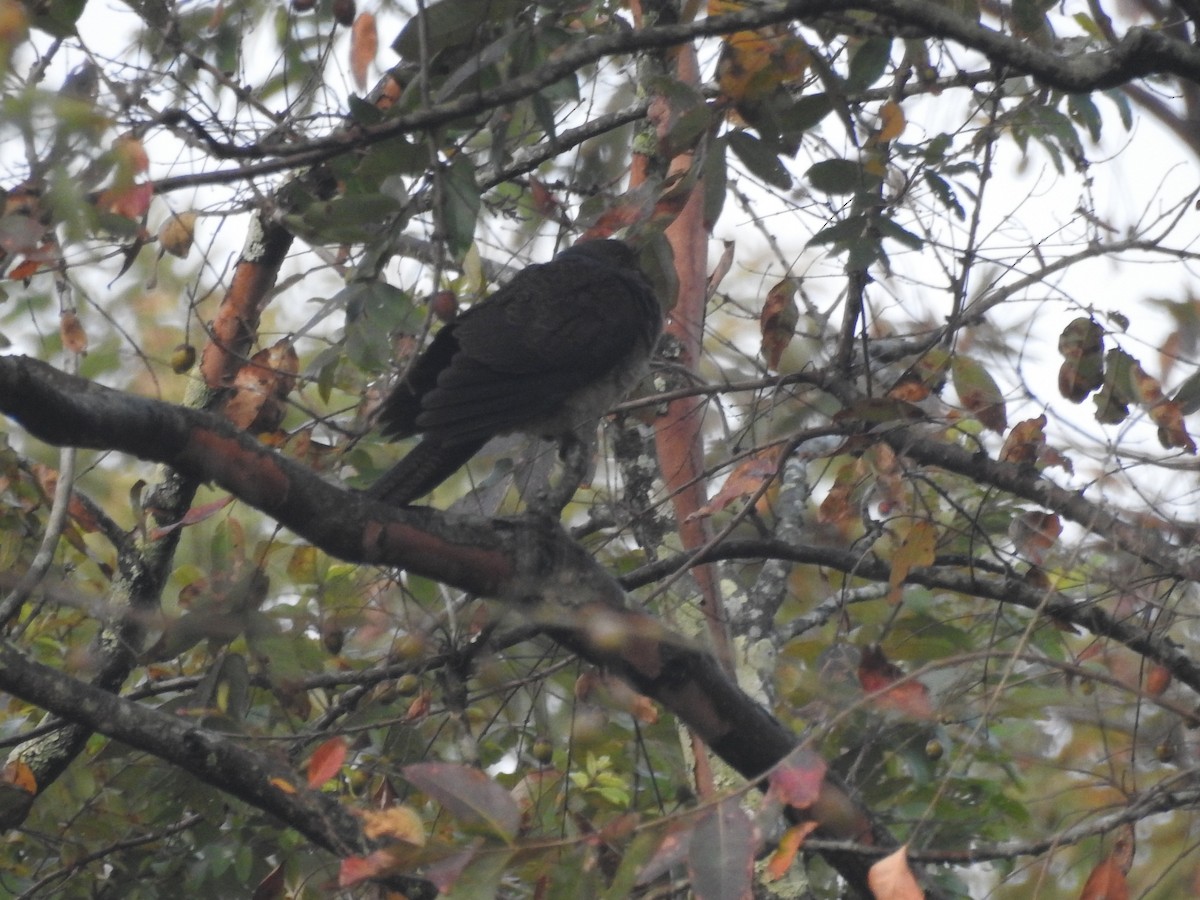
{"x": 425, "y": 467}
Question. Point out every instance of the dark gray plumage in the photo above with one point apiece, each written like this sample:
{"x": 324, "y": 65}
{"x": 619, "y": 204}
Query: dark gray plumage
{"x": 547, "y": 354}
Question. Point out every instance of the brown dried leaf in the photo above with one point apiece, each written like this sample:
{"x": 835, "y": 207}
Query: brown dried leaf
{"x": 364, "y": 45}
{"x": 778, "y": 321}
{"x": 892, "y": 879}
{"x": 1025, "y": 442}
{"x": 176, "y": 234}
{"x": 74, "y": 338}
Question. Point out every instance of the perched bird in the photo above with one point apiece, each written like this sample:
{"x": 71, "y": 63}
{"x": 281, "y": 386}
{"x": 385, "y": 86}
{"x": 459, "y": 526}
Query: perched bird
{"x": 546, "y": 355}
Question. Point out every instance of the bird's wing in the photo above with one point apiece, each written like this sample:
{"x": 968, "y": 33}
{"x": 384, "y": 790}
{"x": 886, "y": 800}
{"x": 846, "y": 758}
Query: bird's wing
{"x": 552, "y": 331}
{"x": 398, "y": 418}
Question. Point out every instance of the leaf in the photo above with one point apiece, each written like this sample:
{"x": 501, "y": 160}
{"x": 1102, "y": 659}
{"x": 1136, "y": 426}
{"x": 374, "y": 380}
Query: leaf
{"x": 915, "y": 550}
{"x": 20, "y": 775}
{"x": 326, "y": 761}
{"x": 1034, "y": 533}
{"x": 777, "y": 322}
{"x": 1025, "y": 442}
{"x": 892, "y": 879}
{"x": 839, "y": 176}
{"x": 754, "y": 64}
{"x": 1188, "y": 395}
{"x": 194, "y": 515}
{"x": 797, "y": 781}
{"x": 785, "y": 852}
{"x": 945, "y": 194}
{"x": 261, "y": 388}
{"x": 450, "y": 23}
{"x": 891, "y": 122}
{"x": 356, "y": 869}
{"x": 743, "y": 481}
{"x": 721, "y": 854}
{"x": 398, "y": 822}
{"x": 460, "y": 204}
{"x": 978, "y": 392}
{"x": 868, "y": 62}
{"x": 130, "y": 202}
{"x": 892, "y": 692}
{"x": 762, "y": 161}
{"x": 272, "y": 885}
{"x": 74, "y": 338}
{"x": 176, "y": 234}
{"x": 364, "y": 45}
{"x": 1106, "y": 882}
{"x": 468, "y": 794}
{"x": 1082, "y": 345}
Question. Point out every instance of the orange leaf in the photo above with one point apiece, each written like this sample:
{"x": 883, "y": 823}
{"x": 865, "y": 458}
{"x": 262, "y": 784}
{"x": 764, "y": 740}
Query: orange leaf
{"x": 284, "y": 785}
{"x": 1107, "y": 882}
{"x": 916, "y": 549}
{"x": 74, "y": 338}
{"x": 19, "y": 775}
{"x": 743, "y": 481}
{"x": 789, "y": 845}
{"x": 778, "y": 321}
{"x": 26, "y": 269}
{"x": 326, "y": 761}
{"x": 892, "y": 879}
{"x": 892, "y": 122}
{"x": 364, "y": 44}
{"x": 1158, "y": 679}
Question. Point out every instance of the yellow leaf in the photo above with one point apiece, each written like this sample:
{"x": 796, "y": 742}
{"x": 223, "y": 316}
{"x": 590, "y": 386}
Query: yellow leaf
{"x": 892, "y": 122}
{"x": 399, "y": 822}
{"x": 915, "y": 550}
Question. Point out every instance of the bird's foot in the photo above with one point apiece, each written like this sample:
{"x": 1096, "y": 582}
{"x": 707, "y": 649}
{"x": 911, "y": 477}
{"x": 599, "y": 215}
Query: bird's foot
{"x": 553, "y": 499}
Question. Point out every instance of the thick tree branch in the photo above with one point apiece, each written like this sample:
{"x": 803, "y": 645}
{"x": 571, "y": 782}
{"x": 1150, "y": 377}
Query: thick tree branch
{"x": 216, "y": 760}
{"x": 526, "y": 561}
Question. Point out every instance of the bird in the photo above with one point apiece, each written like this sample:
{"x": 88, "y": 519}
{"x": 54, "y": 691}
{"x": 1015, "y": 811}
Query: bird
{"x": 547, "y": 355}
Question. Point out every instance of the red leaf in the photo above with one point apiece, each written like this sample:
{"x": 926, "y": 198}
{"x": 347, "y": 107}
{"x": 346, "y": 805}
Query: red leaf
{"x": 1107, "y": 882}
{"x": 797, "y": 780}
{"x": 326, "y": 761}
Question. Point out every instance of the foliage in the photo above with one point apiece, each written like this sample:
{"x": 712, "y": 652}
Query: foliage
{"x": 965, "y": 586}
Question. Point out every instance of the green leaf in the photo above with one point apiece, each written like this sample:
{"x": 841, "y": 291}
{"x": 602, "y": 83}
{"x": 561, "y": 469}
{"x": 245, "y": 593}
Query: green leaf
{"x": 868, "y": 63}
{"x": 848, "y": 229}
{"x": 840, "y": 176}
{"x": 460, "y": 204}
{"x": 759, "y": 159}
{"x": 1188, "y": 395}
{"x": 979, "y": 392}
{"x": 945, "y": 194}
{"x": 714, "y": 182}
{"x": 889, "y": 229}
{"x": 1083, "y": 111}
{"x": 450, "y": 23}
